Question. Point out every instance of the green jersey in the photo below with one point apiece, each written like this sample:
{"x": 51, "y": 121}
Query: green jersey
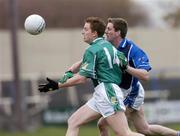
{"x": 101, "y": 63}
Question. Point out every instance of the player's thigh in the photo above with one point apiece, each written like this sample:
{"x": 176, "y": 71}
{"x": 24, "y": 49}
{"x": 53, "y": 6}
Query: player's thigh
{"x": 138, "y": 119}
{"x": 83, "y": 115}
{"x": 102, "y": 122}
{"x": 128, "y": 112}
{"x": 118, "y": 123}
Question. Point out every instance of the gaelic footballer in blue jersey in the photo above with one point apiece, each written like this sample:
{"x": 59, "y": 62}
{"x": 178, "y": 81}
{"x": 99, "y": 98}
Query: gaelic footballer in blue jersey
{"x": 138, "y": 69}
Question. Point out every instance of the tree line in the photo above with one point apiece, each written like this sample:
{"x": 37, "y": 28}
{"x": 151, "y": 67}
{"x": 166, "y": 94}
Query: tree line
{"x": 71, "y": 13}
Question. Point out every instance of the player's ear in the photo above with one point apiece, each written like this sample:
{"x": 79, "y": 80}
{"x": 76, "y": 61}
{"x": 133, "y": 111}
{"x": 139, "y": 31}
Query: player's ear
{"x": 95, "y": 34}
{"x": 119, "y": 32}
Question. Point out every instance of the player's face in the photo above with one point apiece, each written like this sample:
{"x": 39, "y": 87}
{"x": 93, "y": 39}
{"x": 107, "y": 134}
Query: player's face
{"x": 110, "y": 32}
{"x": 87, "y": 33}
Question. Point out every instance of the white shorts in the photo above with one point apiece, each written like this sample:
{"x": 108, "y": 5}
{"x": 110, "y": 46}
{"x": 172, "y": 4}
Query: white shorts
{"x": 134, "y": 98}
{"x": 107, "y": 103}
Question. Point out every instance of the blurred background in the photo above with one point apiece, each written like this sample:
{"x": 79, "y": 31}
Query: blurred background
{"x": 25, "y": 60}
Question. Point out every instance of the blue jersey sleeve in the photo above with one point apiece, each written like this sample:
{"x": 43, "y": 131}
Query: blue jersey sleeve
{"x": 141, "y": 60}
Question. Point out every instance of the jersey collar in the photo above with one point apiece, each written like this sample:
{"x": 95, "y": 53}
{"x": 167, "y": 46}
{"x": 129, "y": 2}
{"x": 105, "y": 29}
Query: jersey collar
{"x": 123, "y": 43}
{"x": 96, "y": 40}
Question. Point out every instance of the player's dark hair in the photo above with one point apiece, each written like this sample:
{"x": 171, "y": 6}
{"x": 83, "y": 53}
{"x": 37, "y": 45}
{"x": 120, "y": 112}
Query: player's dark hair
{"x": 97, "y": 24}
{"x": 119, "y": 25}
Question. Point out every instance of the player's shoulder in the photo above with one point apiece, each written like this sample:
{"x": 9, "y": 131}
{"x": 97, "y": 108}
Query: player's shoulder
{"x": 132, "y": 44}
{"x": 134, "y": 47}
{"x": 92, "y": 49}
{"x": 98, "y": 46}
{"x": 101, "y": 43}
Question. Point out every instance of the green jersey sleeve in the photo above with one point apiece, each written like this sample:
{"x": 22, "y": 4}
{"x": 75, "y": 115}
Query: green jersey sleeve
{"x": 87, "y": 68}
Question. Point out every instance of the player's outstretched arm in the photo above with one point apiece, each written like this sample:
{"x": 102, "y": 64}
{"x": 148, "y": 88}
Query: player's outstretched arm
{"x": 75, "y": 67}
{"x": 69, "y": 74}
{"x": 50, "y": 86}
{"x": 75, "y": 80}
{"x": 54, "y": 85}
{"x": 66, "y": 76}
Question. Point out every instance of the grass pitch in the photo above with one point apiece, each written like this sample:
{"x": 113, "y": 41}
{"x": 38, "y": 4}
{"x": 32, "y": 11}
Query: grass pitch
{"x": 61, "y": 130}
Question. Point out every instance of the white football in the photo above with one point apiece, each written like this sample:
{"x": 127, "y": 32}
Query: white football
{"x": 34, "y": 24}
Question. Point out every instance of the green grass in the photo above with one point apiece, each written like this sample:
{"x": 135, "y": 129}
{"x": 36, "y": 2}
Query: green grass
{"x": 54, "y": 131}
{"x": 60, "y": 131}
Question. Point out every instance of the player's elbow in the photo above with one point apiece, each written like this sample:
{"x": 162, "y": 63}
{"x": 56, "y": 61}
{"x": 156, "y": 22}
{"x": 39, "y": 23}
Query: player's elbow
{"x": 145, "y": 77}
{"x": 81, "y": 79}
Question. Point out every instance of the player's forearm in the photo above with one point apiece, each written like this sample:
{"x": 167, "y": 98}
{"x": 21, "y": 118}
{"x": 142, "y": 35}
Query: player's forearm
{"x": 75, "y": 80}
{"x": 75, "y": 67}
{"x": 141, "y": 74}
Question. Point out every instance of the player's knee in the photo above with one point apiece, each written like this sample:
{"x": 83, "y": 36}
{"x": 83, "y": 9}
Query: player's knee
{"x": 72, "y": 123}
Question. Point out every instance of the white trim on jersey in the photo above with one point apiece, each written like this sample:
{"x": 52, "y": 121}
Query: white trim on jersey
{"x": 108, "y": 57}
{"x": 116, "y": 59}
{"x": 94, "y": 67}
{"x": 129, "y": 52}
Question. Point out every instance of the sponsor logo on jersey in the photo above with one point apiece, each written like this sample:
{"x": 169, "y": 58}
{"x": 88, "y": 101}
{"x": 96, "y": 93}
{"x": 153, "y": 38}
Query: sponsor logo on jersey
{"x": 114, "y": 100}
{"x": 84, "y": 66}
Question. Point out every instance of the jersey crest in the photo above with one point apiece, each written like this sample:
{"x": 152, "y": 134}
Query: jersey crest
{"x": 84, "y": 66}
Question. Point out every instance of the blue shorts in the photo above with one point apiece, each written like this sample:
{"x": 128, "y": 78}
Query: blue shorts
{"x": 134, "y": 99}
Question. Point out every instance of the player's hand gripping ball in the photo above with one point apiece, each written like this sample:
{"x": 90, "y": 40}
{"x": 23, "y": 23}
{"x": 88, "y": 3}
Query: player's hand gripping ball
{"x": 34, "y": 24}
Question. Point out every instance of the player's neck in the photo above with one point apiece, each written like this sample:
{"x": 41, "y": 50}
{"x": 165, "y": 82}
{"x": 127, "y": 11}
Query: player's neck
{"x": 117, "y": 41}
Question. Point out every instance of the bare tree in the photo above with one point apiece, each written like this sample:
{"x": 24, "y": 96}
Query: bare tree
{"x": 71, "y": 13}
{"x": 173, "y": 19}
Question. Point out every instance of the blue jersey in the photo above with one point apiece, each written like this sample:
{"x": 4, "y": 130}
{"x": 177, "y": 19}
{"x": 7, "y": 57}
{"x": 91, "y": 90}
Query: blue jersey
{"x": 137, "y": 58}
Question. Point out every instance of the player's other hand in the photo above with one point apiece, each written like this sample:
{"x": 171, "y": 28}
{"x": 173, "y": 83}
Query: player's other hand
{"x": 123, "y": 61}
{"x": 66, "y": 76}
{"x": 50, "y": 86}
